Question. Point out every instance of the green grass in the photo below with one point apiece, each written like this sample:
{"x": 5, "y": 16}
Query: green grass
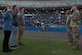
{"x": 40, "y": 46}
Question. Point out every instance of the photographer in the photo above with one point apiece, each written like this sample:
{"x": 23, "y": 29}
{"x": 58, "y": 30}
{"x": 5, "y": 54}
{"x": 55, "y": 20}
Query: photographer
{"x": 68, "y": 20}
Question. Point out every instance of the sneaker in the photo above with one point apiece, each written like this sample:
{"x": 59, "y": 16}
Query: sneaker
{"x": 70, "y": 43}
{"x": 76, "y": 48}
{"x": 14, "y": 47}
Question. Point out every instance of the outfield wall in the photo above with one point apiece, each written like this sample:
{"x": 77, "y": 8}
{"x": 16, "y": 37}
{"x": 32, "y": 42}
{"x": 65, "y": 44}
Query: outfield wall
{"x": 56, "y": 29}
{"x": 62, "y": 29}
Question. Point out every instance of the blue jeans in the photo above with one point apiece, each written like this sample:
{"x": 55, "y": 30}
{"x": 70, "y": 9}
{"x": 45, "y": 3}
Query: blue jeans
{"x": 13, "y": 36}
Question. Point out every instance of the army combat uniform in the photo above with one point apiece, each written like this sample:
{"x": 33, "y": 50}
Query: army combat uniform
{"x": 69, "y": 30}
{"x": 75, "y": 27}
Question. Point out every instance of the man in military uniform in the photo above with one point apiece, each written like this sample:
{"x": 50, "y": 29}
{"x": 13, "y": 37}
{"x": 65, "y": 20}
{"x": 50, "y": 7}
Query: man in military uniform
{"x": 75, "y": 26}
{"x": 69, "y": 30}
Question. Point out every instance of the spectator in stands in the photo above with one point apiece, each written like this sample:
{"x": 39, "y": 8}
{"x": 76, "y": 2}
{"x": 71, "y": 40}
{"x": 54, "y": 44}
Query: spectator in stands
{"x": 21, "y": 25}
{"x": 59, "y": 18}
{"x": 15, "y": 28}
{"x": 43, "y": 26}
{"x": 38, "y": 24}
{"x": 7, "y": 27}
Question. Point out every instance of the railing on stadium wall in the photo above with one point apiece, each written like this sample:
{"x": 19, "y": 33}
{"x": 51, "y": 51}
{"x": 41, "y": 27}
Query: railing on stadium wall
{"x": 41, "y": 3}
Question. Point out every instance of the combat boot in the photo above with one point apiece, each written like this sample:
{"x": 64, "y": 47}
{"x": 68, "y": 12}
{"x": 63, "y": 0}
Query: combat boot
{"x": 76, "y": 48}
{"x": 70, "y": 43}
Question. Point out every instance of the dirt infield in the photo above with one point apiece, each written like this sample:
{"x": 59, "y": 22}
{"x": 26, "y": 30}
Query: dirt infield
{"x": 59, "y": 35}
{"x": 54, "y": 35}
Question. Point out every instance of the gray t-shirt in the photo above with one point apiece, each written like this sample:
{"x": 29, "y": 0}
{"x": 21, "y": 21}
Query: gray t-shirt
{"x": 15, "y": 18}
{"x": 20, "y": 18}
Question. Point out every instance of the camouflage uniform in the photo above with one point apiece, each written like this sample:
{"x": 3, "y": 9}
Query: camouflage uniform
{"x": 69, "y": 30}
{"x": 75, "y": 27}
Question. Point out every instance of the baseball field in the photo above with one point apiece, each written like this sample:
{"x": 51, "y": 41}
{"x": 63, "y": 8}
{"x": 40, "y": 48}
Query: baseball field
{"x": 43, "y": 43}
